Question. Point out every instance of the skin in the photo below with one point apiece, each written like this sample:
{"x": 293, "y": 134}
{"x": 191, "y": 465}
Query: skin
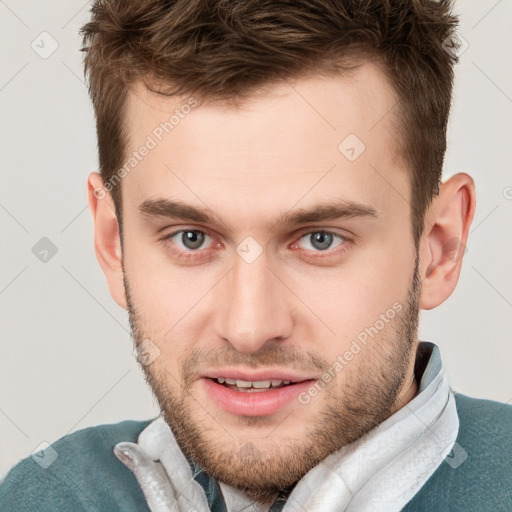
{"x": 249, "y": 163}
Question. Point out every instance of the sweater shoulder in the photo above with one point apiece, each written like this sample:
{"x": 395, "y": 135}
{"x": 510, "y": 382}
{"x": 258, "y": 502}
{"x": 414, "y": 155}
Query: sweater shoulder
{"x": 477, "y": 474}
{"x": 77, "y": 472}
{"x": 486, "y": 416}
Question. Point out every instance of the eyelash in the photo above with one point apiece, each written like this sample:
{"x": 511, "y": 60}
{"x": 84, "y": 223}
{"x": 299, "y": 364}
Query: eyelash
{"x": 192, "y": 254}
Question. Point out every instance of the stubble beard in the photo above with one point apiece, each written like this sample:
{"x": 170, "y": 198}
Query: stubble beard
{"x": 262, "y": 467}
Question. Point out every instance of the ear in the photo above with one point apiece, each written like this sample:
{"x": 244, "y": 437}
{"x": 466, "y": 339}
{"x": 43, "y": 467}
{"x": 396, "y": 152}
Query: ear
{"x": 443, "y": 243}
{"x": 107, "y": 241}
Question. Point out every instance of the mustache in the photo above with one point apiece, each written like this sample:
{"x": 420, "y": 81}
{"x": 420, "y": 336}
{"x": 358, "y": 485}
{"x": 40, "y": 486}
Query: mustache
{"x": 273, "y": 355}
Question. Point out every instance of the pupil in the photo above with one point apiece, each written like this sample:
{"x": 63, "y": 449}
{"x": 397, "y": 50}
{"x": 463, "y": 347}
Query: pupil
{"x": 192, "y": 239}
{"x": 321, "y": 240}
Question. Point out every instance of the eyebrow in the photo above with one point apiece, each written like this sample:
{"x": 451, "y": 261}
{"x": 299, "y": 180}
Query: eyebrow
{"x": 332, "y": 210}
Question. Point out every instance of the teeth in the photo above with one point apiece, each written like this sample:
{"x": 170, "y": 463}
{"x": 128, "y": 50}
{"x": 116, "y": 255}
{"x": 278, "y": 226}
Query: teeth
{"x": 258, "y": 384}
{"x": 261, "y": 384}
{"x": 243, "y": 384}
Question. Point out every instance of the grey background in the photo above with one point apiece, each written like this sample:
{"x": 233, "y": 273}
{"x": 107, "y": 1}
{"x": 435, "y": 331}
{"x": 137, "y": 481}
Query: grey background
{"x": 66, "y": 358}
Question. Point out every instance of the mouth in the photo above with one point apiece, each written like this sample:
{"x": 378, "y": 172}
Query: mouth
{"x": 259, "y": 394}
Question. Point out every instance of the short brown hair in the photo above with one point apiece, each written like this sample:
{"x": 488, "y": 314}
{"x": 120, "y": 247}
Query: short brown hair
{"x": 226, "y": 49}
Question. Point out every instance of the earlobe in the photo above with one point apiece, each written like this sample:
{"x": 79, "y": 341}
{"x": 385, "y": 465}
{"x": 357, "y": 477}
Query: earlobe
{"x": 443, "y": 244}
{"x": 107, "y": 241}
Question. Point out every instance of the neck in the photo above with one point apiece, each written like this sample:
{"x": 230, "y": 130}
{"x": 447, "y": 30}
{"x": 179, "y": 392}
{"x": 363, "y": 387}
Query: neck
{"x": 408, "y": 392}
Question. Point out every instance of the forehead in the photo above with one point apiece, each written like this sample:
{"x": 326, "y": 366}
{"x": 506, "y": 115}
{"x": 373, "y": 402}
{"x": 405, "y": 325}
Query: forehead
{"x": 298, "y": 140}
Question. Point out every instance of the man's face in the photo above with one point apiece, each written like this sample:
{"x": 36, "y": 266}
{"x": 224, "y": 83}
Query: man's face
{"x": 262, "y": 296}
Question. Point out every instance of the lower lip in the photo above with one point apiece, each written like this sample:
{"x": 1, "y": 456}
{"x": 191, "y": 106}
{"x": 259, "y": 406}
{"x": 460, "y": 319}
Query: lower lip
{"x": 258, "y": 403}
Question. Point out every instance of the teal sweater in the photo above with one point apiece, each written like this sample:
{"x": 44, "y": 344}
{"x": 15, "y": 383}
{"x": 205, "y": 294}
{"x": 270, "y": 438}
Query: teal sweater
{"x": 87, "y": 476}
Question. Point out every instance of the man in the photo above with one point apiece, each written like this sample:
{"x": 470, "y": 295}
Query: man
{"x": 269, "y": 212}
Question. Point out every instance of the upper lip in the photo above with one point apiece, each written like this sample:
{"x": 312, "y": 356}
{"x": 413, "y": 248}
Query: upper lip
{"x": 256, "y": 375}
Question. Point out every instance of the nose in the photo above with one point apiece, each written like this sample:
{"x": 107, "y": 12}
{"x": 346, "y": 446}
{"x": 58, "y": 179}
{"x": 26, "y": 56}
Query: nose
{"x": 252, "y": 306}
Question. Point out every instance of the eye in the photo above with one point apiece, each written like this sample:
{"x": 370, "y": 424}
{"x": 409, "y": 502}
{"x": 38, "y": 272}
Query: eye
{"x": 320, "y": 241}
{"x": 187, "y": 241}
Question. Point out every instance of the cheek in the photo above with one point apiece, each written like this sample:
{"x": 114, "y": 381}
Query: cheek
{"x": 158, "y": 290}
{"x": 171, "y": 314}
{"x": 358, "y": 312}
{"x": 353, "y": 295}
